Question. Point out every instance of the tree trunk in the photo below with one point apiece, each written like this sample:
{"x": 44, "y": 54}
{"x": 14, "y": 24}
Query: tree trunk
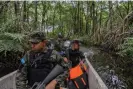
{"x": 35, "y": 23}
{"x": 24, "y": 11}
{"x": 4, "y": 9}
{"x": 73, "y": 15}
{"x": 93, "y": 17}
{"x": 75, "y": 20}
{"x": 3, "y": 5}
{"x": 78, "y": 17}
{"x": 131, "y": 5}
{"x": 27, "y": 14}
{"x": 16, "y": 8}
{"x": 128, "y": 7}
{"x": 110, "y": 15}
{"x": 60, "y": 10}
{"x": 119, "y": 9}
{"x": 100, "y": 24}
{"x": 43, "y": 15}
{"x": 53, "y": 21}
{"x": 87, "y": 18}
{"x": 46, "y": 23}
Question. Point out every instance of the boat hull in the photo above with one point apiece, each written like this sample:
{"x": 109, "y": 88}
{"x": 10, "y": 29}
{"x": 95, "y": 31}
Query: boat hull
{"x": 95, "y": 82}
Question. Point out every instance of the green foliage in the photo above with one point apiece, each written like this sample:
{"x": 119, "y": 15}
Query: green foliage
{"x": 86, "y": 40}
{"x": 126, "y": 49}
{"x": 11, "y": 42}
{"x": 83, "y": 20}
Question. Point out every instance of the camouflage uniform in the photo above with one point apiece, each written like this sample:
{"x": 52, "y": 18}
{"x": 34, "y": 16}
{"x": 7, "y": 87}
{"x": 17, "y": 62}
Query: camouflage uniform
{"x": 21, "y": 79}
{"x": 59, "y": 44}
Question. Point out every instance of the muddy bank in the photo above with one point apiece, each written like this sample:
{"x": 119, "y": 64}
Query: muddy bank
{"x": 7, "y": 68}
{"x": 9, "y": 62}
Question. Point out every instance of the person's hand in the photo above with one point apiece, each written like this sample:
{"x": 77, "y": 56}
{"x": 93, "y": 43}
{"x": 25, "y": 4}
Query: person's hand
{"x": 51, "y": 85}
{"x": 81, "y": 62}
{"x": 65, "y": 59}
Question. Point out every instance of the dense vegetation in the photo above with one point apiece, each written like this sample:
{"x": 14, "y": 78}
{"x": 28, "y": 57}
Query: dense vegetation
{"x": 105, "y": 24}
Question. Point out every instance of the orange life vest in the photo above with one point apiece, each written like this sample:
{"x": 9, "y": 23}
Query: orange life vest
{"x": 78, "y": 76}
{"x": 77, "y": 71}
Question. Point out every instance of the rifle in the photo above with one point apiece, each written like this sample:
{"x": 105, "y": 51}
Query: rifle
{"x": 52, "y": 75}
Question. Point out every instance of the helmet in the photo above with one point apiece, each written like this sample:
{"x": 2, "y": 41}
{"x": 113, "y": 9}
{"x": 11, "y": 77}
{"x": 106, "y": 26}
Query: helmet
{"x": 60, "y": 35}
{"x": 67, "y": 43}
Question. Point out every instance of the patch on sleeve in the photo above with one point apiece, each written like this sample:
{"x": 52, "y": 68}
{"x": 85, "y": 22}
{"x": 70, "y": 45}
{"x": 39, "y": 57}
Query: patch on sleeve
{"x": 22, "y": 61}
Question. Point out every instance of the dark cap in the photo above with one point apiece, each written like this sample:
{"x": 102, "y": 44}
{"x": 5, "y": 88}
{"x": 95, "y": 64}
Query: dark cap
{"x": 75, "y": 41}
{"x": 60, "y": 35}
{"x": 37, "y": 37}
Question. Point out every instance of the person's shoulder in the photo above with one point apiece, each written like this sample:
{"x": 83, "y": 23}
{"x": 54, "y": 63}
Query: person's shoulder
{"x": 28, "y": 52}
{"x": 54, "y": 52}
{"x": 25, "y": 58}
{"x": 56, "y": 55}
{"x": 81, "y": 52}
{"x": 69, "y": 49}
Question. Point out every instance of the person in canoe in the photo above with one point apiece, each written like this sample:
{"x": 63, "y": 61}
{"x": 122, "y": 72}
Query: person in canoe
{"x": 78, "y": 78}
{"x": 38, "y": 62}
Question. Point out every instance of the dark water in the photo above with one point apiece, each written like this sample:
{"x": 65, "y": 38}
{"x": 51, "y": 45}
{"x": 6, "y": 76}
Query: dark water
{"x": 6, "y": 69}
{"x": 108, "y": 69}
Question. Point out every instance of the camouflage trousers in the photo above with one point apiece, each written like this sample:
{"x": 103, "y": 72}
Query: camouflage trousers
{"x": 21, "y": 80}
{"x": 21, "y": 83}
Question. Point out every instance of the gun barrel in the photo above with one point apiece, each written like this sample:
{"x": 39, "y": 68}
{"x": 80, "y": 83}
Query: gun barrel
{"x": 52, "y": 75}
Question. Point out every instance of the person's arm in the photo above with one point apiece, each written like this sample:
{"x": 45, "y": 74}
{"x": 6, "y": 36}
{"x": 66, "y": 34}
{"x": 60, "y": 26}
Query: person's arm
{"x": 55, "y": 57}
{"x": 60, "y": 79}
{"x": 67, "y": 53}
{"x": 82, "y": 55}
{"x": 57, "y": 45}
{"x": 21, "y": 78}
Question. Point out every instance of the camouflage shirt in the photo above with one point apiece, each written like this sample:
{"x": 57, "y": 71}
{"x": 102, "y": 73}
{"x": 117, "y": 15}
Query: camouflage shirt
{"x": 59, "y": 44}
{"x": 21, "y": 79}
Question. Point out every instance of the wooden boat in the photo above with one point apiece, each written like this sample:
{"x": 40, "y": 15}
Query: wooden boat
{"x": 95, "y": 82}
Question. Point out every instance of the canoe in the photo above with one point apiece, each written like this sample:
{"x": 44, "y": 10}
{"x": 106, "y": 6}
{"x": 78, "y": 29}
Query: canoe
{"x": 95, "y": 82}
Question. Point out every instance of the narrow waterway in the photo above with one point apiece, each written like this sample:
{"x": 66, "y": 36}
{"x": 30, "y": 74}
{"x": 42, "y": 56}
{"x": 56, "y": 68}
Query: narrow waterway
{"x": 108, "y": 69}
